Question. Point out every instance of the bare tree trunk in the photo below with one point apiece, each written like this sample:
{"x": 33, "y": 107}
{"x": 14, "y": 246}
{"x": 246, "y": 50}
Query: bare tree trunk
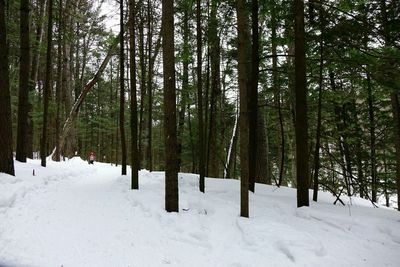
{"x": 70, "y": 145}
{"x": 301, "y": 125}
{"x": 134, "y": 122}
{"x": 23, "y": 94}
{"x": 213, "y": 146}
{"x": 143, "y": 89}
{"x": 319, "y": 116}
{"x": 396, "y": 120}
{"x": 185, "y": 82}
{"x": 47, "y": 85}
{"x": 230, "y": 157}
{"x": 6, "y": 156}
{"x": 244, "y": 115}
{"x": 150, "y": 87}
{"x": 57, "y": 152}
{"x": 202, "y": 151}
{"x": 277, "y": 96}
{"x": 122, "y": 90}
{"x": 253, "y": 96}
{"x": 372, "y": 139}
{"x": 171, "y": 172}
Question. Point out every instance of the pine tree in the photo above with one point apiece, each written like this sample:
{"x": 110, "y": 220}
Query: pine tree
{"x": 301, "y": 107}
{"x": 122, "y": 90}
{"x": 134, "y": 122}
{"x": 6, "y": 156}
{"x": 47, "y": 85}
{"x": 171, "y": 172}
{"x": 23, "y": 101}
{"x": 244, "y": 117}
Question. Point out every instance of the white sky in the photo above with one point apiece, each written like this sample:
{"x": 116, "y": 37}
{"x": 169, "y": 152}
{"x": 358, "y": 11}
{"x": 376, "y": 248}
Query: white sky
{"x": 110, "y": 8}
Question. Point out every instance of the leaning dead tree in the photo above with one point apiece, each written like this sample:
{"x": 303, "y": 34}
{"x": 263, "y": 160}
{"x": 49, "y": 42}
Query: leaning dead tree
{"x": 75, "y": 108}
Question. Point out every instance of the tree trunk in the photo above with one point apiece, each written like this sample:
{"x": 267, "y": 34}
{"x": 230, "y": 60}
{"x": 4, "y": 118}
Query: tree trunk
{"x": 122, "y": 90}
{"x": 6, "y": 155}
{"x": 301, "y": 126}
{"x": 202, "y": 151}
{"x": 23, "y": 96}
{"x": 277, "y": 97}
{"x": 70, "y": 145}
{"x": 244, "y": 115}
{"x": 230, "y": 157}
{"x": 318, "y": 131}
{"x": 57, "y": 152}
{"x": 171, "y": 172}
{"x": 134, "y": 122}
{"x": 150, "y": 88}
{"x": 143, "y": 88}
{"x": 253, "y": 96}
{"x": 47, "y": 85}
{"x": 185, "y": 82}
{"x": 372, "y": 139}
{"x": 213, "y": 146}
{"x": 396, "y": 120}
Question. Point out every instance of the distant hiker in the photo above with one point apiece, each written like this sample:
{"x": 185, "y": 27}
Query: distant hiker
{"x": 92, "y": 157}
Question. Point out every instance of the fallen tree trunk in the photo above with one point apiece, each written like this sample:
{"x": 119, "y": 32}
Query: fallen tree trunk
{"x": 75, "y": 108}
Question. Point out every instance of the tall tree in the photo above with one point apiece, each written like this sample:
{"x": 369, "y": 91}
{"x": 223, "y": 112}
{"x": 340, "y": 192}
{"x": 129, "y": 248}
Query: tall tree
{"x": 253, "y": 96}
{"x": 171, "y": 172}
{"x": 215, "y": 60}
{"x": 150, "y": 86}
{"x": 122, "y": 90}
{"x": 301, "y": 107}
{"x": 6, "y": 156}
{"x": 23, "y": 101}
{"x": 394, "y": 101}
{"x": 185, "y": 78}
{"x": 202, "y": 151}
{"x": 319, "y": 116}
{"x": 134, "y": 121}
{"x": 47, "y": 85}
{"x": 244, "y": 117}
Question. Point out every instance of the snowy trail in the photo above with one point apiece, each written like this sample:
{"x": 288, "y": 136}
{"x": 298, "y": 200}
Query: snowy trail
{"x": 73, "y": 214}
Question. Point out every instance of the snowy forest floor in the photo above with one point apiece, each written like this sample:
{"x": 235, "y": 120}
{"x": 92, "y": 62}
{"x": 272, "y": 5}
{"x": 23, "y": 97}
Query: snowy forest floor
{"x": 75, "y": 214}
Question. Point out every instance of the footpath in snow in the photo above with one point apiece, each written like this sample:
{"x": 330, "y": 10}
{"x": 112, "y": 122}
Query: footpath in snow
{"x": 75, "y": 214}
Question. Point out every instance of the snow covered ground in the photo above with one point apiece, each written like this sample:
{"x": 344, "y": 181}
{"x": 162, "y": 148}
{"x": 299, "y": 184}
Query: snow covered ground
{"x": 75, "y": 214}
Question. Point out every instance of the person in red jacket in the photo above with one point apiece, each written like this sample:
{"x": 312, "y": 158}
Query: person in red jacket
{"x": 92, "y": 157}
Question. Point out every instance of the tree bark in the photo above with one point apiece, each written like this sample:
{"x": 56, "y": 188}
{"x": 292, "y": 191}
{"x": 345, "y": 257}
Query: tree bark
{"x": 122, "y": 90}
{"x": 134, "y": 121}
{"x": 301, "y": 126}
{"x": 185, "y": 81}
{"x": 396, "y": 119}
{"x": 213, "y": 146}
{"x": 171, "y": 172}
{"x": 150, "y": 87}
{"x": 6, "y": 155}
{"x": 23, "y": 96}
{"x": 202, "y": 151}
{"x": 56, "y": 156}
{"x": 319, "y": 116}
{"x": 244, "y": 116}
{"x": 253, "y": 96}
{"x": 47, "y": 85}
